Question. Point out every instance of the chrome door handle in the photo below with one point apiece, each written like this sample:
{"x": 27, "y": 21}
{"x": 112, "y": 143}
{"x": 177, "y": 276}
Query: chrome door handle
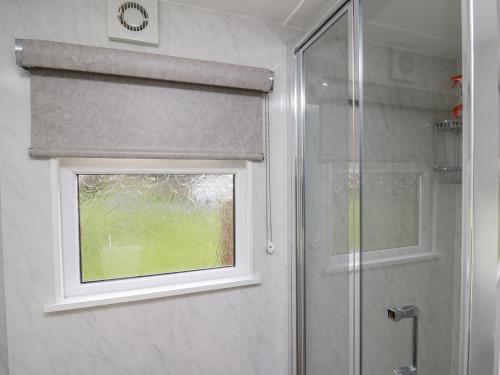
{"x": 407, "y": 312}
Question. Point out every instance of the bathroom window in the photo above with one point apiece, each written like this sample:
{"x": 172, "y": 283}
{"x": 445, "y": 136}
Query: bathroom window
{"x": 132, "y": 224}
{"x": 397, "y": 216}
{"x": 391, "y": 210}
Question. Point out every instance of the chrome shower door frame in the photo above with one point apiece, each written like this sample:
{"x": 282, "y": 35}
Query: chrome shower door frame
{"x": 480, "y": 188}
{"x": 353, "y": 11}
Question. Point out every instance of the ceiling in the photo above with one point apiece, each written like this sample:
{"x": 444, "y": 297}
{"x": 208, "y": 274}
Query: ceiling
{"x": 294, "y": 13}
{"x": 427, "y": 26}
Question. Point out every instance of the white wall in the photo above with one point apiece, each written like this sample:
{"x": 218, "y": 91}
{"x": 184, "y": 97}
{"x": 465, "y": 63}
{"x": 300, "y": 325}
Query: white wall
{"x": 239, "y": 331}
{"x": 4, "y": 366}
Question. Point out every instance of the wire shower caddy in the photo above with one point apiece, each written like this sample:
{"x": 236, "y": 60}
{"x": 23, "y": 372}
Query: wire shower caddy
{"x": 450, "y": 174}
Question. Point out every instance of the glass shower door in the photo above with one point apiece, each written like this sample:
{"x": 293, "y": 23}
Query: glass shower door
{"x": 411, "y": 188}
{"x": 325, "y": 132}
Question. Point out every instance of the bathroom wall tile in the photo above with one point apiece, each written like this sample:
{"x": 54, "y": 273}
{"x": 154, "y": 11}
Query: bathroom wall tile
{"x": 201, "y": 34}
{"x": 136, "y": 338}
{"x": 10, "y": 19}
{"x": 4, "y": 359}
{"x": 266, "y": 352}
{"x": 240, "y": 331}
{"x": 58, "y": 20}
{"x": 262, "y": 44}
{"x": 207, "y": 333}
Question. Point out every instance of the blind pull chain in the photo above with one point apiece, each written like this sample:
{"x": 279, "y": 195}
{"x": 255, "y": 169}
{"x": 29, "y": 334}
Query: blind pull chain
{"x": 267, "y": 135}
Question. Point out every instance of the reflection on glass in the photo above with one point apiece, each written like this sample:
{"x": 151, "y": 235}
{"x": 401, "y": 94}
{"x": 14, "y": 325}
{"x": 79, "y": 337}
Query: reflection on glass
{"x": 392, "y": 202}
{"x": 138, "y": 225}
{"x": 326, "y": 197}
{"x": 411, "y": 93}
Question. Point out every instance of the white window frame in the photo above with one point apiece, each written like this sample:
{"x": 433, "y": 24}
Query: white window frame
{"x": 424, "y": 250}
{"x": 72, "y": 293}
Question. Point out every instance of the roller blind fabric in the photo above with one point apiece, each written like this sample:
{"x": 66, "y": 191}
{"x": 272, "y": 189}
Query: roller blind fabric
{"x": 101, "y": 102}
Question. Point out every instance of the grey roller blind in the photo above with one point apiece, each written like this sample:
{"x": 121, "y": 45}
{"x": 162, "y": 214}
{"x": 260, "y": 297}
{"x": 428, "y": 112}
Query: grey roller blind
{"x": 99, "y": 102}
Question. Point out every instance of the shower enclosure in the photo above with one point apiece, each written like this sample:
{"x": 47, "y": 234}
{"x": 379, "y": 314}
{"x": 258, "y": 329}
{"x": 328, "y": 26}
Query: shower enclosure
{"x": 384, "y": 175}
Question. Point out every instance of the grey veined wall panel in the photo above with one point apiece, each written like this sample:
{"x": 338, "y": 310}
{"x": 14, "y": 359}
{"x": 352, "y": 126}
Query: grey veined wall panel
{"x": 79, "y": 114}
{"x": 54, "y": 55}
{"x": 242, "y": 331}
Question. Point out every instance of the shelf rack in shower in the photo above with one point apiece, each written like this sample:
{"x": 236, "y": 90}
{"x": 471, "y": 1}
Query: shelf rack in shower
{"x": 449, "y": 174}
{"x": 448, "y": 125}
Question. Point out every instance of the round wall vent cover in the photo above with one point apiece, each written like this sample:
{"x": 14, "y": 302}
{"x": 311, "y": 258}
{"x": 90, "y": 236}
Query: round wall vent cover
{"x": 133, "y": 16}
{"x": 133, "y": 21}
{"x": 403, "y": 65}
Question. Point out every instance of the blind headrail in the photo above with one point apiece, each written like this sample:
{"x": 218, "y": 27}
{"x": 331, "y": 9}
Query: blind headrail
{"x": 31, "y": 53}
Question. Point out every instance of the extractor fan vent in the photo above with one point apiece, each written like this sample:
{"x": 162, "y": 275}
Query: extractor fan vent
{"x": 133, "y": 21}
{"x": 133, "y": 16}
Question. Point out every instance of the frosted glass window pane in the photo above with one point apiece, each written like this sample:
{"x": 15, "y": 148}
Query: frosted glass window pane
{"x": 149, "y": 224}
{"x": 391, "y": 211}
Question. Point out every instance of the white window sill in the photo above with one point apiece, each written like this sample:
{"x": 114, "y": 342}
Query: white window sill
{"x": 80, "y": 302}
{"x": 376, "y": 262}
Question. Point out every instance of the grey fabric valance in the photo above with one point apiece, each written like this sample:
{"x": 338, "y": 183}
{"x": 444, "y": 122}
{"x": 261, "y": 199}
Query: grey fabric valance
{"x": 101, "y": 102}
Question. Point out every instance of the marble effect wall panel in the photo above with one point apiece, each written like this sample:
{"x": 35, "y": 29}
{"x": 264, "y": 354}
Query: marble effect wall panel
{"x": 4, "y": 360}
{"x": 240, "y": 331}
